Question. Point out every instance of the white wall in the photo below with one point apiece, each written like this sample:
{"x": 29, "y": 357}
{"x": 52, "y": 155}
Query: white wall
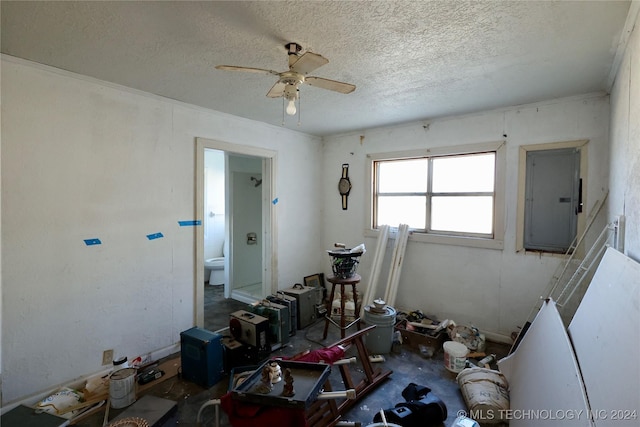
{"x": 82, "y": 159}
{"x": 492, "y": 289}
{"x": 247, "y": 218}
{"x": 625, "y": 144}
{"x": 214, "y": 205}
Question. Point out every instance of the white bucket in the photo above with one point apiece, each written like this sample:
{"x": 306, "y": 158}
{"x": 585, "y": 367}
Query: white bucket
{"x": 122, "y": 388}
{"x": 463, "y": 421}
{"x": 455, "y": 356}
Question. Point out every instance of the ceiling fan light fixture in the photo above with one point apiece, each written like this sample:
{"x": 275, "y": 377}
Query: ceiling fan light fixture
{"x": 291, "y": 94}
{"x": 291, "y": 107}
{"x": 289, "y": 81}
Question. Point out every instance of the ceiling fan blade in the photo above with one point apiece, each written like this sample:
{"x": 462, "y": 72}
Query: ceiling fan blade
{"x": 246, "y": 69}
{"x": 330, "y": 84}
{"x": 308, "y": 62}
{"x": 277, "y": 90}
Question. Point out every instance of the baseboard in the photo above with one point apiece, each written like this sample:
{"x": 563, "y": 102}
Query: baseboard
{"x": 79, "y": 383}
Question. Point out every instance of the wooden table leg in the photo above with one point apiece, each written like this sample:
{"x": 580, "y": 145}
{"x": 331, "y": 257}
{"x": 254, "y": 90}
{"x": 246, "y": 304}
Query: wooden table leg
{"x": 327, "y": 315}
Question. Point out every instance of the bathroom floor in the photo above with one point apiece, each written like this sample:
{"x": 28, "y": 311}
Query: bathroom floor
{"x": 408, "y": 366}
{"x": 253, "y": 290}
{"x": 217, "y": 307}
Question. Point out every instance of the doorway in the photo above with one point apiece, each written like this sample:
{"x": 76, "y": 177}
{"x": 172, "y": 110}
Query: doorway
{"x": 248, "y": 242}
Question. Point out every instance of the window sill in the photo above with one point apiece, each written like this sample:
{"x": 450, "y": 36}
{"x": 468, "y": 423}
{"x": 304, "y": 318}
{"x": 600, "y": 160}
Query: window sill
{"x": 439, "y": 239}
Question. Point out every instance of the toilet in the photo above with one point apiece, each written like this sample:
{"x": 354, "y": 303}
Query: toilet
{"x": 215, "y": 267}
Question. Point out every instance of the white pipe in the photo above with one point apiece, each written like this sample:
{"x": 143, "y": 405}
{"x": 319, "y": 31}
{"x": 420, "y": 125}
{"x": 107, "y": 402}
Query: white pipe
{"x": 345, "y": 361}
{"x": 394, "y": 276}
{"x": 105, "y": 420}
{"x": 343, "y": 394}
{"x": 215, "y": 402}
{"x": 399, "y": 262}
{"x": 384, "y": 419}
{"x": 403, "y": 250}
{"x": 394, "y": 255}
{"x": 378, "y": 258}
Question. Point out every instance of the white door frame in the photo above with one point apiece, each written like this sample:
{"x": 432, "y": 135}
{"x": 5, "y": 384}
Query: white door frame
{"x": 269, "y": 258}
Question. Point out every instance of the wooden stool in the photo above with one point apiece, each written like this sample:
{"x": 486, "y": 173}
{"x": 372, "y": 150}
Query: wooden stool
{"x": 353, "y": 281}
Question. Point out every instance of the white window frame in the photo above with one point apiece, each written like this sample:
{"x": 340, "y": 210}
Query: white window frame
{"x": 495, "y": 242}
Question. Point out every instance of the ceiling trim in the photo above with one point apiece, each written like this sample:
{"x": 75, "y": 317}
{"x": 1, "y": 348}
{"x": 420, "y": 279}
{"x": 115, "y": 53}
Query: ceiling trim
{"x": 115, "y": 86}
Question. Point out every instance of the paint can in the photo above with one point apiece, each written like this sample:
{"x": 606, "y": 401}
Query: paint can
{"x": 122, "y": 388}
{"x": 380, "y": 339}
{"x": 455, "y": 356}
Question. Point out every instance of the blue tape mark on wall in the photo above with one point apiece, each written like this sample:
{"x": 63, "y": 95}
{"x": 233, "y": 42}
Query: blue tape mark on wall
{"x": 154, "y": 236}
{"x": 275, "y": 201}
{"x": 91, "y": 242}
{"x": 190, "y": 223}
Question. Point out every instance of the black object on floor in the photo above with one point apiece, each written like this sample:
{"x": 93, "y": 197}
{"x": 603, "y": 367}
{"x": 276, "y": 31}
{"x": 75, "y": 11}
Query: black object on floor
{"x": 422, "y": 408}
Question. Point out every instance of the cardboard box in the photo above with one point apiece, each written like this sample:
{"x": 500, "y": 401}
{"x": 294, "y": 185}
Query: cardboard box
{"x": 415, "y": 339}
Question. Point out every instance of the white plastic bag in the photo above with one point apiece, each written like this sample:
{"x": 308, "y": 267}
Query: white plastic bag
{"x": 58, "y": 402}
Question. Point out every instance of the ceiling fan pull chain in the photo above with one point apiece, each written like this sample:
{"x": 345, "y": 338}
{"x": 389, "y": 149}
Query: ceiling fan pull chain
{"x": 299, "y": 107}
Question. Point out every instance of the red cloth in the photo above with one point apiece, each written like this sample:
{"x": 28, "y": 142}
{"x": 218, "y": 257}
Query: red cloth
{"x": 327, "y": 355}
{"x": 243, "y": 414}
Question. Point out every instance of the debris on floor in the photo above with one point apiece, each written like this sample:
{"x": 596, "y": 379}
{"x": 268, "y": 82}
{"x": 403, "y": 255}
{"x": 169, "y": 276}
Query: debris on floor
{"x": 467, "y": 335}
{"x": 486, "y": 393}
{"x": 420, "y": 408}
{"x": 421, "y": 333}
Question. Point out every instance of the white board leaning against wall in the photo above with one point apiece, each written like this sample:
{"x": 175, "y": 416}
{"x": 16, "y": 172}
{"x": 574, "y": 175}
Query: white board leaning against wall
{"x": 605, "y": 332}
{"x": 593, "y": 378}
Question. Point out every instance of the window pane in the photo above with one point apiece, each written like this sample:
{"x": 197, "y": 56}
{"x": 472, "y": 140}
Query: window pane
{"x": 402, "y": 176}
{"x": 397, "y": 210}
{"x": 462, "y": 214}
{"x": 468, "y": 173}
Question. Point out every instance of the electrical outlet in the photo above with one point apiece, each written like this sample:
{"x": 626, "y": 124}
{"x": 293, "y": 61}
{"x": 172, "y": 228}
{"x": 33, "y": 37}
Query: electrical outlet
{"x": 107, "y": 357}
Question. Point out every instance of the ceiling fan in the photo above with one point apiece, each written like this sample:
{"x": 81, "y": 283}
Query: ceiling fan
{"x": 288, "y": 84}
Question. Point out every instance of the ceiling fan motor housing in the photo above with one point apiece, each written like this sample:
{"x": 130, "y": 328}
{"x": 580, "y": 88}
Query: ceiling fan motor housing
{"x": 291, "y": 92}
{"x": 291, "y": 78}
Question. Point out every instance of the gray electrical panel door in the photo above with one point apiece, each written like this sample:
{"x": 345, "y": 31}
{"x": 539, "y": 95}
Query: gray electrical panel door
{"x": 552, "y": 199}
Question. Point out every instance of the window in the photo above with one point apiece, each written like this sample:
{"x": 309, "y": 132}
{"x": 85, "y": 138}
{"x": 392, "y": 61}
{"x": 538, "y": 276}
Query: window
{"x": 452, "y": 195}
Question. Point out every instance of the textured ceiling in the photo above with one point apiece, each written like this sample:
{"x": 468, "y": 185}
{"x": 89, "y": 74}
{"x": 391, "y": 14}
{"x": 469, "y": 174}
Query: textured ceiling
{"x": 410, "y": 60}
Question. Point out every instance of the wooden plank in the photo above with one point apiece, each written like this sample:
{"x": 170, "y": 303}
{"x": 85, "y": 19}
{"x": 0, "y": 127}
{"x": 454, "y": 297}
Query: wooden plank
{"x": 88, "y": 413}
{"x": 170, "y": 367}
{"x": 86, "y": 403}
